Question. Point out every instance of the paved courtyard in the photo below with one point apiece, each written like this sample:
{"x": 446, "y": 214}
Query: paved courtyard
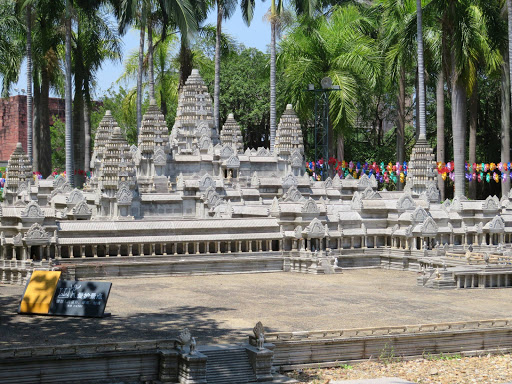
{"x": 224, "y": 308}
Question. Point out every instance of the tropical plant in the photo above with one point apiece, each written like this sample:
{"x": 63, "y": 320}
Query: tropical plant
{"x": 225, "y": 9}
{"x": 276, "y": 17}
{"x": 341, "y": 48}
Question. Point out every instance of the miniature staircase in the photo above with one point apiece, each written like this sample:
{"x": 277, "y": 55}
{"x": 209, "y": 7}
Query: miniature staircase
{"x": 228, "y": 365}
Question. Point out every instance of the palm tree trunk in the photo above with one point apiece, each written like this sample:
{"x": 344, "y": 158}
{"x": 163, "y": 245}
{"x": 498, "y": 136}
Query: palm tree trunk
{"x": 29, "y": 82}
{"x": 139, "y": 77}
{"x": 69, "y": 125}
{"x": 87, "y": 126}
{"x": 185, "y": 59}
{"x": 151, "y": 71}
{"x": 340, "y": 144}
{"x": 37, "y": 123}
{"x": 421, "y": 73}
{"x": 272, "y": 82}
{"x": 473, "y": 124}
{"x": 78, "y": 120}
{"x": 400, "y": 129}
{"x": 417, "y": 106}
{"x": 45, "y": 146}
{"x": 216, "y": 92}
{"x": 505, "y": 122}
{"x": 440, "y": 129}
{"x": 459, "y": 131}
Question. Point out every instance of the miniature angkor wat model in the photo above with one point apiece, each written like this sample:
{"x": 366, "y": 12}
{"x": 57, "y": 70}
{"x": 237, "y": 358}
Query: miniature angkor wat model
{"x": 194, "y": 192}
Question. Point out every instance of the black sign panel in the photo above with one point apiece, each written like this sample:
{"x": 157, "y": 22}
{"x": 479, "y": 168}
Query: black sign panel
{"x": 80, "y": 298}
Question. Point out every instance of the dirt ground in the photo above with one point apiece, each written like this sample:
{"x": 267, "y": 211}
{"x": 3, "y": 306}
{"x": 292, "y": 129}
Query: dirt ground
{"x": 224, "y": 308}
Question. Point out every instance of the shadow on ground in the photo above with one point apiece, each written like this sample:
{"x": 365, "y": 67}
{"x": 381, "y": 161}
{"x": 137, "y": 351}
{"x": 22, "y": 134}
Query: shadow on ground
{"x": 29, "y": 330}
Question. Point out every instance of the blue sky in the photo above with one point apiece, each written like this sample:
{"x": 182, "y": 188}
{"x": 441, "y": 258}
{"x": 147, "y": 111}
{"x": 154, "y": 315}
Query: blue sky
{"x": 257, "y": 36}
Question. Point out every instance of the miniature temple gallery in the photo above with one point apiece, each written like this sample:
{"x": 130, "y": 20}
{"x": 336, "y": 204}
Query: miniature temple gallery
{"x": 195, "y": 192}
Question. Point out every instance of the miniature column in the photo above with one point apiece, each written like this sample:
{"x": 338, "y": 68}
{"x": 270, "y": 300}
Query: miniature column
{"x": 196, "y": 247}
{"x": 186, "y": 248}
{"x": 218, "y": 246}
{"x": 164, "y": 248}
{"x": 119, "y": 250}
{"x": 95, "y": 251}
{"x": 59, "y": 253}
{"x": 351, "y": 242}
{"x": 29, "y": 255}
{"x": 70, "y": 252}
{"x": 374, "y": 241}
{"x": 130, "y": 250}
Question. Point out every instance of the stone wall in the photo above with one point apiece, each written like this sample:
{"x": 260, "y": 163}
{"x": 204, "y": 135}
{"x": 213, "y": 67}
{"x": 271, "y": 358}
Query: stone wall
{"x": 13, "y": 122}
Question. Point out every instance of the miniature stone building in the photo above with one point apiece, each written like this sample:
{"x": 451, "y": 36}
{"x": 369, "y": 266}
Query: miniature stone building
{"x": 194, "y": 193}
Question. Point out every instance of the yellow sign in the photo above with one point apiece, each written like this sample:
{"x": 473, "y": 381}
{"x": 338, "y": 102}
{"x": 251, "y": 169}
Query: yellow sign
{"x": 39, "y": 292}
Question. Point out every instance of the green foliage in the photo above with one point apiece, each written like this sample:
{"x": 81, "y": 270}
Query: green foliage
{"x": 345, "y": 366}
{"x": 387, "y": 355}
{"x": 244, "y": 91}
{"x": 122, "y": 105}
{"x": 57, "y": 134}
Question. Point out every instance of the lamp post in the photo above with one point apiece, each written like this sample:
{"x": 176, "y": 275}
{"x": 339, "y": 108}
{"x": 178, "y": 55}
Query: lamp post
{"x": 322, "y": 119}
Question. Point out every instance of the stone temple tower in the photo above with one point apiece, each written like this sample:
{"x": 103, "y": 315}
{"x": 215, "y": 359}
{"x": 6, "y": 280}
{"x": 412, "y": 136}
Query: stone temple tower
{"x": 103, "y": 133}
{"x": 232, "y": 135}
{"x": 194, "y": 129}
{"x": 152, "y": 152}
{"x": 19, "y": 176}
{"x": 289, "y": 141}
{"x": 117, "y": 179}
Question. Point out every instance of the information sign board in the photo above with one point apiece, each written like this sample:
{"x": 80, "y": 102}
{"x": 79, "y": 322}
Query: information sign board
{"x": 39, "y": 292}
{"x": 80, "y": 298}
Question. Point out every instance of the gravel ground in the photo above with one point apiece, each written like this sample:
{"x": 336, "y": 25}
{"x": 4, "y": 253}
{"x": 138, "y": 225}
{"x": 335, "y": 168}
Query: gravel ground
{"x": 225, "y": 308}
{"x": 466, "y": 370}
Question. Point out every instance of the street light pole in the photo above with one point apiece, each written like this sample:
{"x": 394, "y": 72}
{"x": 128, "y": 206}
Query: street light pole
{"x": 322, "y": 119}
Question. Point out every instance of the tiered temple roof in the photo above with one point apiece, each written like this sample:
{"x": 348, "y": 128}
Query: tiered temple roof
{"x": 117, "y": 167}
{"x": 231, "y": 134}
{"x": 194, "y": 128}
{"x": 19, "y": 171}
{"x": 103, "y": 133}
{"x": 289, "y": 133}
{"x": 153, "y": 131}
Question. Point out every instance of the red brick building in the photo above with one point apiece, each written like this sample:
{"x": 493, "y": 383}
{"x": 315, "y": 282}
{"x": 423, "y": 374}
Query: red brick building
{"x": 13, "y": 122}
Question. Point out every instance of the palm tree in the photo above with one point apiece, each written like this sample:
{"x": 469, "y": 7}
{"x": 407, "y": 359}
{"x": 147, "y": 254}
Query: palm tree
{"x": 465, "y": 27}
{"x": 29, "y": 81}
{"x": 421, "y": 73}
{"x": 94, "y": 42}
{"x": 505, "y": 151}
{"x": 399, "y": 30}
{"x": 340, "y": 47}
{"x": 225, "y": 9}
{"x": 302, "y": 7}
{"x": 68, "y": 88}
{"x": 177, "y": 14}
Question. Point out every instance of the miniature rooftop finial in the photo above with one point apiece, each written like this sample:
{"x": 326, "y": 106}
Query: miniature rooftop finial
{"x": 195, "y": 71}
{"x": 108, "y": 112}
{"x": 289, "y": 106}
{"x": 152, "y": 101}
{"x": 231, "y": 116}
{"x": 18, "y": 145}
